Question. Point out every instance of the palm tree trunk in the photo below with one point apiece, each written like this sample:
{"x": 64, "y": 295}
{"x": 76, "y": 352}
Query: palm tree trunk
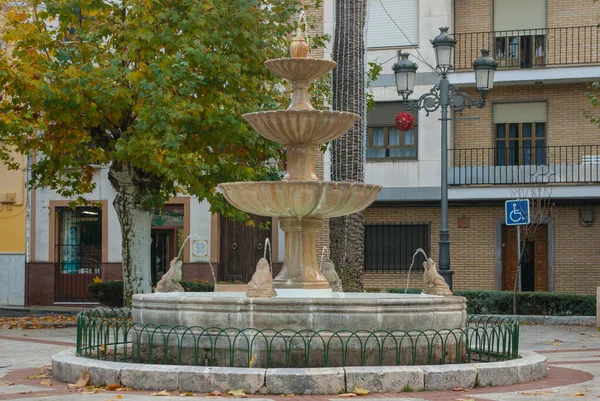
{"x": 348, "y": 152}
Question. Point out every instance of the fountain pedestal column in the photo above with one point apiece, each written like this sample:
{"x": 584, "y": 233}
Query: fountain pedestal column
{"x": 300, "y": 269}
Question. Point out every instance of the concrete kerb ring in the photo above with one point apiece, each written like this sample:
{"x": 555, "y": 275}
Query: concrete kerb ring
{"x": 529, "y": 367}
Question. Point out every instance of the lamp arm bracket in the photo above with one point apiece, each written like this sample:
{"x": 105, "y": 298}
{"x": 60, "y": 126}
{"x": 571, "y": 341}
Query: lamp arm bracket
{"x": 429, "y": 102}
{"x": 458, "y": 100}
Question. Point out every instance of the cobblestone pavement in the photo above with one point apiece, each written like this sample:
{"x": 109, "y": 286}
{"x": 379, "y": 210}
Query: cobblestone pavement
{"x": 573, "y": 354}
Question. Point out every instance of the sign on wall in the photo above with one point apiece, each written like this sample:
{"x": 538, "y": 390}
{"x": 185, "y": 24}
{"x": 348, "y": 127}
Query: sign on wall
{"x": 200, "y": 247}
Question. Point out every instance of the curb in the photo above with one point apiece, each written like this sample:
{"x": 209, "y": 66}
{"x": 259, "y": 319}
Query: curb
{"x": 553, "y": 320}
{"x": 199, "y": 379}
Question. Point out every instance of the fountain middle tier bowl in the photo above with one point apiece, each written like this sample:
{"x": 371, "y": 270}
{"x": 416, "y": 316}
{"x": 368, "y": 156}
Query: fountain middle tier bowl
{"x": 300, "y": 69}
{"x": 300, "y": 199}
{"x": 310, "y": 127}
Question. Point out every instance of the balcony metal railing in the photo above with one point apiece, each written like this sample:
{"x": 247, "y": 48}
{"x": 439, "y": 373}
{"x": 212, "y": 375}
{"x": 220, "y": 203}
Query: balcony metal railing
{"x": 524, "y": 165}
{"x": 531, "y": 48}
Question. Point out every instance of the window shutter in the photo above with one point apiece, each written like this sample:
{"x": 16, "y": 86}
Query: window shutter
{"x": 520, "y": 112}
{"x": 511, "y": 15}
{"x": 381, "y": 30}
{"x": 383, "y": 114}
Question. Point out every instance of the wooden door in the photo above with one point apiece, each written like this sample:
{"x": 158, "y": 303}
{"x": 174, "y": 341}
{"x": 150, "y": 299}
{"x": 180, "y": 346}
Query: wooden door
{"x": 541, "y": 258}
{"x": 242, "y": 246}
{"x": 510, "y": 256}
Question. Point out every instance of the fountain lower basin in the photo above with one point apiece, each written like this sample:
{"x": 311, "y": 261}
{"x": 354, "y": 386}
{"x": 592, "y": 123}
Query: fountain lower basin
{"x": 341, "y": 311}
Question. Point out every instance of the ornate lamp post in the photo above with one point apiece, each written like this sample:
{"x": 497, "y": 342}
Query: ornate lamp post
{"x": 444, "y": 95}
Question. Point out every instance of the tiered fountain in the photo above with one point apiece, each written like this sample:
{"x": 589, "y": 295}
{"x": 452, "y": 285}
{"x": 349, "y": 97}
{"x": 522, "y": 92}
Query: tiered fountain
{"x": 301, "y": 202}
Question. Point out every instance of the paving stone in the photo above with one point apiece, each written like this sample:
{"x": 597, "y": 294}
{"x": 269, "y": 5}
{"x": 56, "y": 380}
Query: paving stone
{"x": 497, "y": 373}
{"x": 68, "y": 368}
{"x": 447, "y": 377}
{"x": 306, "y": 381}
{"x": 533, "y": 366}
{"x": 385, "y": 379}
{"x": 247, "y": 379}
{"x": 194, "y": 379}
{"x": 151, "y": 377}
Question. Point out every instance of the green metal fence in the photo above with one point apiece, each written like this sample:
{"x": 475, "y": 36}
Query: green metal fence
{"x": 110, "y": 334}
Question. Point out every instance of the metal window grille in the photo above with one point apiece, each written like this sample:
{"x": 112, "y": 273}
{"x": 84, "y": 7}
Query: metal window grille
{"x": 390, "y": 247}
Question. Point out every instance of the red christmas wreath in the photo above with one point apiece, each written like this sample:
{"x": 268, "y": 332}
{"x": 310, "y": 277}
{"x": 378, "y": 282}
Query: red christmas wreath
{"x": 405, "y": 121}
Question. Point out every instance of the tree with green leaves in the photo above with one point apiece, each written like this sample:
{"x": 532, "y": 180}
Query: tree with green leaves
{"x": 153, "y": 88}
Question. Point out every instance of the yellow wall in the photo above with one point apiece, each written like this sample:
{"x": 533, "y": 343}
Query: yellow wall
{"x": 12, "y": 216}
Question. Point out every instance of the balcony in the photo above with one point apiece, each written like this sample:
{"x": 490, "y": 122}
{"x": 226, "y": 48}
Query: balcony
{"x": 514, "y": 165}
{"x": 531, "y": 48}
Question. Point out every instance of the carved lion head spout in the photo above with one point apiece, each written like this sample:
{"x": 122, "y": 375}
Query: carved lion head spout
{"x": 261, "y": 285}
{"x": 434, "y": 282}
{"x": 170, "y": 280}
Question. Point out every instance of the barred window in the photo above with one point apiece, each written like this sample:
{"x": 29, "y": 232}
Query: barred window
{"x": 390, "y": 247}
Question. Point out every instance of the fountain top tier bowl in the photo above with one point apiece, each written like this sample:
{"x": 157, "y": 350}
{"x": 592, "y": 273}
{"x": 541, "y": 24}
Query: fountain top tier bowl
{"x": 349, "y": 311}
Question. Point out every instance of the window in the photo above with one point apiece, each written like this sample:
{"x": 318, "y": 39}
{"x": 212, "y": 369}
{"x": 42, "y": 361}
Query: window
{"x": 384, "y": 15}
{"x": 520, "y": 34}
{"x": 390, "y": 247}
{"x": 79, "y": 240}
{"x": 520, "y": 134}
{"x": 385, "y": 141}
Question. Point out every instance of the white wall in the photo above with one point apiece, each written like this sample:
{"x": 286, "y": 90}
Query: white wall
{"x": 200, "y": 219}
{"x": 425, "y": 172}
{"x": 12, "y": 285}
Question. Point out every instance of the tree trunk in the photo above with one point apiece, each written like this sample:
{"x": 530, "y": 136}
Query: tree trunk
{"x": 348, "y": 152}
{"x": 135, "y": 229}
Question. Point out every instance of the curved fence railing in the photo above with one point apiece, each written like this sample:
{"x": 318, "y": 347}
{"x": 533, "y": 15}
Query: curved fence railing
{"x": 110, "y": 334}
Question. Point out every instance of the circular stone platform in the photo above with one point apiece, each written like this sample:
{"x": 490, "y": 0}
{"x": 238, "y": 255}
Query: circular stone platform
{"x": 531, "y": 366}
{"x": 342, "y": 311}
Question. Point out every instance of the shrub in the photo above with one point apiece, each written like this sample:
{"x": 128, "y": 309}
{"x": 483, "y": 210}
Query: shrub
{"x": 110, "y": 293}
{"x": 528, "y": 303}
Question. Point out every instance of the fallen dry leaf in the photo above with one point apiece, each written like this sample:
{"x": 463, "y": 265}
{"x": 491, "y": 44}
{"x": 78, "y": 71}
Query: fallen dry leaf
{"x": 186, "y": 394}
{"x": 83, "y": 380}
{"x": 347, "y": 395}
{"x": 465, "y": 399}
{"x": 580, "y": 394}
{"x": 237, "y": 393}
{"x": 251, "y": 361}
{"x": 90, "y": 390}
{"x": 47, "y": 383}
{"x": 215, "y": 393}
{"x": 556, "y": 340}
{"x": 288, "y": 395}
{"x": 461, "y": 389}
{"x": 38, "y": 376}
{"x": 7, "y": 383}
{"x": 161, "y": 393}
{"x": 555, "y": 344}
{"x": 118, "y": 396}
{"x": 37, "y": 322}
{"x": 582, "y": 334}
{"x": 359, "y": 390}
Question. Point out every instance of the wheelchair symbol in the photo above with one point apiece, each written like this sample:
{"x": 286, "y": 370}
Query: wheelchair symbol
{"x": 515, "y": 214}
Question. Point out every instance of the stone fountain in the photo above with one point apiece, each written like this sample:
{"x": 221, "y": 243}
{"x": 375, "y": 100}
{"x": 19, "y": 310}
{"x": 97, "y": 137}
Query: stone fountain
{"x": 301, "y": 202}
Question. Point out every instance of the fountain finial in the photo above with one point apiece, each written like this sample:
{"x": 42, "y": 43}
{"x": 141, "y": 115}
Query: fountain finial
{"x": 299, "y": 47}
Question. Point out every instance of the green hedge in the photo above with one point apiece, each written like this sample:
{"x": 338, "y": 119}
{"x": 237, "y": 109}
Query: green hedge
{"x": 110, "y": 293}
{"x": 528, "y": 303}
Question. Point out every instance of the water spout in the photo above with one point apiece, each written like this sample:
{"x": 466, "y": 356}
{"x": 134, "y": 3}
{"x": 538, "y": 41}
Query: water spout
{"x": 212, "y": 270}
{"x": 322, "y": 256}
{"x": 268, "y": 244}
{"x": 419, "y": 250}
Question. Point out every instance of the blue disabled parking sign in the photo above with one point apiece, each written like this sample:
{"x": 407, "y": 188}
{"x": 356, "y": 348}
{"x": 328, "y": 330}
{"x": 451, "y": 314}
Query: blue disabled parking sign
{"x": 516, "y": 212}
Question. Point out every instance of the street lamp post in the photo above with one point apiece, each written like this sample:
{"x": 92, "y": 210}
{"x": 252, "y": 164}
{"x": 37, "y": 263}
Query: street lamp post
{"x": 444, "y": 95}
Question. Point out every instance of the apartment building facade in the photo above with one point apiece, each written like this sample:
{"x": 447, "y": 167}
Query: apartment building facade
{"x": 532, "y": 139}
{"x": 13, "y": 214}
